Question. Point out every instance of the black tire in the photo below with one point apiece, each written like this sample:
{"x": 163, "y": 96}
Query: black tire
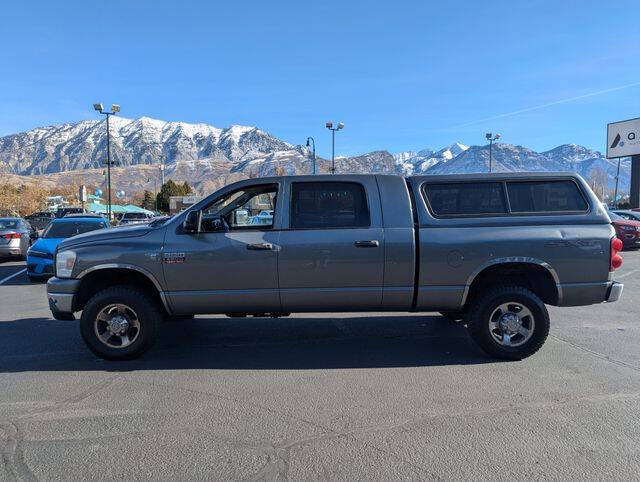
{"x": 454, "y": 316}
{"x": 148, "y": 314}
{"x": 484, "y": 306}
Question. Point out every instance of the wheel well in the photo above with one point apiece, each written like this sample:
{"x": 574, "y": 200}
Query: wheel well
{"x": 101, "y": 279}
{"x": 528, "y": 275}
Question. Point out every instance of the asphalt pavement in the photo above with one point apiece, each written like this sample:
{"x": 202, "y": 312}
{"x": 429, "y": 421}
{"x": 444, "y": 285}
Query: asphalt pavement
{"x": 350, "y": 396}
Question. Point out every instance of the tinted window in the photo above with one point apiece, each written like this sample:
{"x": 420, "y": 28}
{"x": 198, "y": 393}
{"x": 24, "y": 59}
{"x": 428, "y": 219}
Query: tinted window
{"x": 545, "y": 196}
{"x": 68, "y": 229}
{"x": 328, "y": 205}
{"x": 466, "y": 198}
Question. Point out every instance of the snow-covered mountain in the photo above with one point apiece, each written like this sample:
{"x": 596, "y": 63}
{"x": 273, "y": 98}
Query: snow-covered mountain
{"x": 420, "y": 162}
{"x": 207, "y": 156}
{"x": 82, "y": 145}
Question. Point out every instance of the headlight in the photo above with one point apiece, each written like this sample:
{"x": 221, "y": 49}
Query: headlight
{"x": 629, "y": 228}
{"x": 64, "y": 263}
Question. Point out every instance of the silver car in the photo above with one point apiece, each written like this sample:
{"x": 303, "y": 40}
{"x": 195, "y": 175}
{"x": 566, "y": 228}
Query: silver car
{"x": 16, "y": 235}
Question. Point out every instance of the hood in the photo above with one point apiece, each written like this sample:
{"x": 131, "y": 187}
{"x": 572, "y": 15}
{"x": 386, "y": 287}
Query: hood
{"x": 46, "y": 245}
{"x": 106, "y": 234}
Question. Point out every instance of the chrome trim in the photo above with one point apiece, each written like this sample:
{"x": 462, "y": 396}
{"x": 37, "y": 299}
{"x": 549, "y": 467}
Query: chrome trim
{"x": 616, "y": 292}
{"x": 143, "y": 271}
{"x": 512, "y": 259}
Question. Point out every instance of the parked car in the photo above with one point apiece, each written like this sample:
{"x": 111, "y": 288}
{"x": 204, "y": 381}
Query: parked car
{"x": 40, "y": 255}
{"x": 135, "y": 218}
{"x": 40, "y": 220}
{"x": 263, "y": 217}
{"x": 61, "y": 212}
{"x": 491, "y": 249}
{"x": 16, "y": 235}
{"x": 628, "y": 231}
{"x": 627, "y": 214}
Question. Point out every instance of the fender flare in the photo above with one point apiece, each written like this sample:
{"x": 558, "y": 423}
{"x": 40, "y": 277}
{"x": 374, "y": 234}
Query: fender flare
{"x": 512, "y": 259}
{"x": 132, "y": 267}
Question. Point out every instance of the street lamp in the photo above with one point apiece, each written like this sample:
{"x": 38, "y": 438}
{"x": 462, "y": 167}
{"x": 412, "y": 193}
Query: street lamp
{"x": 313, "y": 143}
{"x": 329, "y": 125}
{"x": 114, "y": 109}
{"x": 490, "y": 137}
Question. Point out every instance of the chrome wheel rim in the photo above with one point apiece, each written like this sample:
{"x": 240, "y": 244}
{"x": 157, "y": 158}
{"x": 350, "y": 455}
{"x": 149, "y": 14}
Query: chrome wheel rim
{"x": 511, "y": 324}
{"x": 117, "y": 326}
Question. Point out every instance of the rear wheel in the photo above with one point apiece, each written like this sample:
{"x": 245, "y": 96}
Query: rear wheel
{"x": 120, "y": 323}
{"x": 509, "y": 322}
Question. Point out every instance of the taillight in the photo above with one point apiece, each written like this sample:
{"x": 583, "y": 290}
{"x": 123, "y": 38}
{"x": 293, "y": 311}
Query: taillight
{"x": 616, "y": 259}
{"x": 11, "y": 236}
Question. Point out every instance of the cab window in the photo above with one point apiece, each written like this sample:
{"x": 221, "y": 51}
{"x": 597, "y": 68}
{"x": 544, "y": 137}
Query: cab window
{"x": 321, "y": 205}
{"x": 248, "y": 208}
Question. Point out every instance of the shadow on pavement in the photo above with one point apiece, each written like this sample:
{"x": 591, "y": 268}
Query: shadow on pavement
{"x": 39, "y": 344}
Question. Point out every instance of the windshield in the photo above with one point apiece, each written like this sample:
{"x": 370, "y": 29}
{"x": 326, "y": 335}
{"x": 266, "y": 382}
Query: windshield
{"x": 68, "y": 229}
{"x": 135, "y": 216}
{"x": 615, "y": 217}
{"x": 8, "y": 224}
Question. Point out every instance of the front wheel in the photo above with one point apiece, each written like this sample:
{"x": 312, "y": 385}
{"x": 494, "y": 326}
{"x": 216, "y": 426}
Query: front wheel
{"x": 509, "y": 322}
{"x": 120, "y": 323}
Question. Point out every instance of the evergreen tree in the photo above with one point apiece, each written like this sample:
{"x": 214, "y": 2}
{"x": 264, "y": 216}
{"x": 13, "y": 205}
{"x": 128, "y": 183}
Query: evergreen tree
{"x": 169, "y": 189}
{"x": 149, "y": 202}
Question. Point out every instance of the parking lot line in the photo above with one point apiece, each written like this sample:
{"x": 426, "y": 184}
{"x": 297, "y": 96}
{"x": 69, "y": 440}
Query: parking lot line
{"x": 12, "y": 276}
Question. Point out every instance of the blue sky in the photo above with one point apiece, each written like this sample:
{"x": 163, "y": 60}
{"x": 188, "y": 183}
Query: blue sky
{"x": 400, "y": 75}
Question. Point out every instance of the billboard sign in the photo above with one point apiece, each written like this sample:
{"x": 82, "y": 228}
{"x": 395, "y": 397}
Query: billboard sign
{"x": 623, "y": 138}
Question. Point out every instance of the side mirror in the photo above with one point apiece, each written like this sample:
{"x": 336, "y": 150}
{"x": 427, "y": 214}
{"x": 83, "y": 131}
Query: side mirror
{"x": 191, "y": 223}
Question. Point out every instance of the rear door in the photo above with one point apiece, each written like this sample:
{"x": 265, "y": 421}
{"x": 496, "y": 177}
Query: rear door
{"x": 332, "y": 245}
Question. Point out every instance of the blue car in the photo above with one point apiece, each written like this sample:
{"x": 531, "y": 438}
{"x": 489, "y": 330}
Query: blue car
{"x": 40, "y": 255}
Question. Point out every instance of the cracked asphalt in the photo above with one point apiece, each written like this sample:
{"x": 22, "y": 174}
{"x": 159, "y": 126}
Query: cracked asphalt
{"x": 351, "y": 396}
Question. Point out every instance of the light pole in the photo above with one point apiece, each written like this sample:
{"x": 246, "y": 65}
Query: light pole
{"x": 615, "y": 195}
{"x": 313, "y": 143}
{"x": 114, "y": 109}
{"x": 329, "y": 125}
{"x": 490, "y": 137}
{"x": 155, "y": 194}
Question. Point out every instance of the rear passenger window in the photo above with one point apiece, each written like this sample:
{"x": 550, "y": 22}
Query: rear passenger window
{"x": 545, "y": 196}
{"x": 459, "y": 199}
{"x": 328, "y": 205}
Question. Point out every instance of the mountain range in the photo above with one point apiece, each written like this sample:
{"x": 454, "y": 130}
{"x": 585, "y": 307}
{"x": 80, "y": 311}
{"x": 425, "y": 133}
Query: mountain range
{"x": 209, "y": 157}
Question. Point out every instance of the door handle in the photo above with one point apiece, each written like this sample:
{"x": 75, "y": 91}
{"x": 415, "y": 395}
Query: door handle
{"x": 260, "y": 247}
{"x": 367, "y": 244}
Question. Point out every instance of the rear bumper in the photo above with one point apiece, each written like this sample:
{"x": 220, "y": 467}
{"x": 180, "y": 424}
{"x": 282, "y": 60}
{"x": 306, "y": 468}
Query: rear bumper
{"x": 61, "y": 293}
{"x": 8, "y": 250}
{"x": 579, "y": 294}
{"x": 615, "y": 292}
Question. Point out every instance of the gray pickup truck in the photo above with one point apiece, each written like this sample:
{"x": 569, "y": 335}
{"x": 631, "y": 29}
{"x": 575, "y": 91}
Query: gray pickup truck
{"x": 487, "y": 250}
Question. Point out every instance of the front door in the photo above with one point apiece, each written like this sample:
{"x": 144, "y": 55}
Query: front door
{"x": 332, "y": 253}
{"x": 230, "y": 265}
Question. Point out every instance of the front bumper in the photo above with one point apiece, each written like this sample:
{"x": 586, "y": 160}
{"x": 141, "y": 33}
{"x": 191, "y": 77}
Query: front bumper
{"x": 615, "y": 292}
{"x": 37, "y": 266}
{"x": 60, "y": 293}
